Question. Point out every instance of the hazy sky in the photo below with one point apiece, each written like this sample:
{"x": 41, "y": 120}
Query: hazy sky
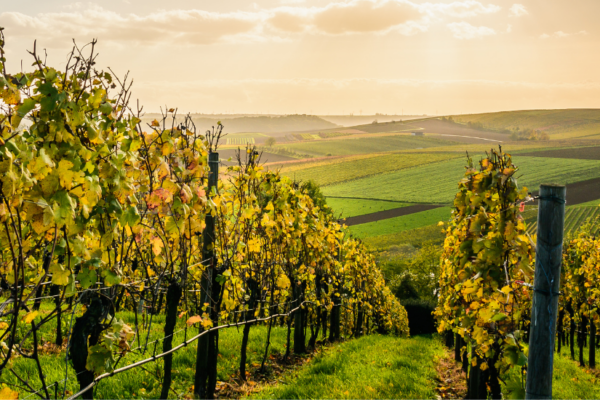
{"x": 329, "y": 57}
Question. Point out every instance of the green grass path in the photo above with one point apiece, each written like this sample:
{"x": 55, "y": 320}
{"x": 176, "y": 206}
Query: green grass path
{"x": 375, "y": 366}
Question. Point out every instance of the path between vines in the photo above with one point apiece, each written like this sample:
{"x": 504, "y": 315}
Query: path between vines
{"x": 374, "y": 366}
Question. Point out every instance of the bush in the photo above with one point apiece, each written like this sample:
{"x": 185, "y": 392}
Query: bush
{"x": 420, "y": 317}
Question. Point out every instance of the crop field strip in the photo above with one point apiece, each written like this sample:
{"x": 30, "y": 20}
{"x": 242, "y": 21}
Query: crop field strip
{"x": 549, "y": 120}
{"x": 241, "y": 141}
{"x": 387, "y": 214}
{"x": 579, "y": 153}
{"x": 574, "y": 218}
{"x": 403, "y": 223}
{"x": 347, "y": 208}
{"x": 436, "y": 183}
{"x": 366, "y": 145}
{"x": 356, "y": 168}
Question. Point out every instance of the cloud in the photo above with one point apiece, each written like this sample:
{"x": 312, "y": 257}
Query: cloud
{"x": 460, "y": 9}
{"x": 198, "y": 27}
{"x": 361, "y": 16}
{"x": 464, "y": 30}
{"x": 561, "y": 34}
{"x": 518, "y": 10}
{"x": 180, "y": 26}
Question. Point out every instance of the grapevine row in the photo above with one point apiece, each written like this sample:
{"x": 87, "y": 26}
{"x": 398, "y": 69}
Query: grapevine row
{"x": 99, "y": 211}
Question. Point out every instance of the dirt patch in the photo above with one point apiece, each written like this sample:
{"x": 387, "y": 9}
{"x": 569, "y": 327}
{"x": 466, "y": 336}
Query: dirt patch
{"x": 581, "y": 192}
{"x": 395, "y": 212}
{"x": 277, "y": 369}
{"x": 585, "y": 153}
{"x": 452, "y": 381}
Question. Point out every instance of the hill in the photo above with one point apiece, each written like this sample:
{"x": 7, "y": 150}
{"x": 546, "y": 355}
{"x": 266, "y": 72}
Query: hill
{"x": 568, "y": 123}
{"x": 263, "y": 124}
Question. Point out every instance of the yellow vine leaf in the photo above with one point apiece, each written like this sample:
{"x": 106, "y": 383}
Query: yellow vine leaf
{"x": 8, "y": 394}
{"x": 30, "y": 317}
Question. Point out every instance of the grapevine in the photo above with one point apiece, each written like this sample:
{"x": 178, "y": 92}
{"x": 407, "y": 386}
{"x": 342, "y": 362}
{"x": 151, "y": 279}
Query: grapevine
{"x": 100, "y": 213}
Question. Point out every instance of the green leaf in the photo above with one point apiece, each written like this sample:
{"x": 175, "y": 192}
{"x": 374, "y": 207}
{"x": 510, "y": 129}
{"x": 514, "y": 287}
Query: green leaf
{"x": 60, "y": 275}
{"x": 106, "y": 108}
{"x": 70, "y": 289}
{"x": 130, "y": 217}
{"x": 111, "y": 278}
{"x": 64, "y": 207}
{"x": 99, "y": 359}
{"x": 499, "y": 317}
{"x": 87, "y": 278}
{"x": 522, "y": 360}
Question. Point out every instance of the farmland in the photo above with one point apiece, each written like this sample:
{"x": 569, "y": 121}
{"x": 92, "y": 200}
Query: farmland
{"x": 354, "y": 207}
{"x": 348, "y": 170}
{"x": 436, "y": 183}
{"x": 401, "y": 224}
{"x": 562, "y": 124}
{"x": 364, "y": 145}
{"x": 575, "y": 217}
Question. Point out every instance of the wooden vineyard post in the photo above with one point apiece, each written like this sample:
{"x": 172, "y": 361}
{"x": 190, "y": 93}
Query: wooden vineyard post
{"x": 208, "y": 238}
{"x": 544, "y": 309}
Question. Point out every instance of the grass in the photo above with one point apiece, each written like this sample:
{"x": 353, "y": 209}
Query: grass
{"x": 146, "y": 382}
{"x": 332, "y": 173}
{"x": 401, "y": 224}
{"x": 414, "y": 237}
{"x": 353, "y": 207}
{"x": 437, "y": 183}
{"x": 375, "y": 366}
{"x": 364, "y": 145}
{"x": 569, "y": 380}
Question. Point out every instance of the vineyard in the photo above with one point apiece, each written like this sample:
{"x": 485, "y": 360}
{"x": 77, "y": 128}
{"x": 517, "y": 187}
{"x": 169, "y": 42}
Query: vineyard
{"x": 240, "y": 141}
{"x": 124, "y": 245}
{"x": 575, "y": 218}
{"x": 436, "y": 182}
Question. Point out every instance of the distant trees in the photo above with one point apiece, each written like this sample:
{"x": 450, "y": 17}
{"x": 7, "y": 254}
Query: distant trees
{"x": 271, "y": 142}
{"x": 528, "y": 134}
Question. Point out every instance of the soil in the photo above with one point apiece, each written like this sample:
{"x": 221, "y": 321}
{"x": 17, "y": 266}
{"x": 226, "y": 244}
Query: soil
{"x": 585, "y": 153}
{"x": 396, "y": 212}
{"x": 451, "y": 378}
{"x": 582, "y": 192}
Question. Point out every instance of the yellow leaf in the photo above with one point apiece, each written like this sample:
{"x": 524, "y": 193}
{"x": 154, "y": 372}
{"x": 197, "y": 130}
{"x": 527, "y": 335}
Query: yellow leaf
{"x": 283, "y": 282}
{"x": 30, "y": 317}
{"x": 3, "y": 325}
{"x": 7, "y": 394}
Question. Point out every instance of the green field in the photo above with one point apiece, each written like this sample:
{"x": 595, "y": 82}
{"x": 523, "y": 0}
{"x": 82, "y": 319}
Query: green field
{"x": 374, "y": 144}
{"x": 353, "y": 207}
{"x": 342, "y": 171}
{"x": 414, "y": 237}
{"x": 574, "y": 217}
{"x": 559, "y": 123}
{"x": 371, "y": 367}
{"x": 438, "y": 183}
{"x": 400, "y": 224}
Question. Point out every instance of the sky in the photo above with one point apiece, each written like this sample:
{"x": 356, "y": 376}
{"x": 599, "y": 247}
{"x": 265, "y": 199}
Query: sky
{"x": 327, "y": 57}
